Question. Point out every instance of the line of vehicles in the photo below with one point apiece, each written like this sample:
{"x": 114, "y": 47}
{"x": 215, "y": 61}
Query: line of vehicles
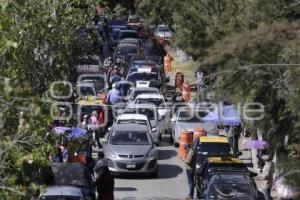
{"x": 133, "y": 128}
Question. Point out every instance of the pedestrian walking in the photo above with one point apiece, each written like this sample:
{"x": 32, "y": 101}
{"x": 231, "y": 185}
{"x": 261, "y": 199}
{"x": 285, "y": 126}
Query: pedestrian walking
{"x": 266, "y": 177}
{"x": 105, "y": 185}
{"x": 168, "y": 63}
{"x": 190, "y": 162}
{"x": 113, "y": 95}
{"x": 98, "y": 167}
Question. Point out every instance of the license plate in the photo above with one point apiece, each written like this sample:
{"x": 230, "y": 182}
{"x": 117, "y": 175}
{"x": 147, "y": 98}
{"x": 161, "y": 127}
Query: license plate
{"x": 131, "y": 166}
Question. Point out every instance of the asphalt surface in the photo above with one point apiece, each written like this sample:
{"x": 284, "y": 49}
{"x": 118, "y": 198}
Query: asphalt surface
{"x": 170, "y": 184}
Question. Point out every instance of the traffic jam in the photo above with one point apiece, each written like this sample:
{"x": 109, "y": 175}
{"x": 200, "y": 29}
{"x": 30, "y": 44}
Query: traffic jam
{"x": 127, "y": 101}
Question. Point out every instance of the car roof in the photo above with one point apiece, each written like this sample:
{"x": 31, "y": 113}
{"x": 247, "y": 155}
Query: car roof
{"x": 84, "y": 84}
{"x": 61, "y": 190}
{"x": 130, "y": 127}
{"x": 225, "y": 160}
{"x": 213, "y": 139}
{"x": 127, "y": 45}
{"x": 129, "y": 40}
{"x": 142, "y": 105}
{"x": 147, "y": 96}
{"x": 132, "y": 116}
{"x": 128, "y": 31}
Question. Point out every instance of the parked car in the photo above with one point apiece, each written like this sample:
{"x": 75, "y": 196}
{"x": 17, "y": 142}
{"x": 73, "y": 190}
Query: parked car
{"x": 140, "y": 119}
{"x": 217, "y": 165}
{"x": 163, "y": 31}
{"x": 64, "y": 176}
{"x": 61, "y": 192}
{"x": 230, "y": 186}
{"x": 135, "y": 91}
{"x": 129, "y": 149}
{"x": 155, "y": 99}
{"x": 151, "y": 112}
{"x": 135, "y": 41}
{"x": 189, "y": 119}
{"x": 123, "y": 34}
{"x": 122, "y": 50}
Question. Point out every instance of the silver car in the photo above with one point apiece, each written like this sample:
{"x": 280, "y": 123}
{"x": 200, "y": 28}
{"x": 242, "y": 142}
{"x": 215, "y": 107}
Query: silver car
{"x": 190, "y": 119}
{"x": 62, "y": 192}
{"x": 129, "y": 149}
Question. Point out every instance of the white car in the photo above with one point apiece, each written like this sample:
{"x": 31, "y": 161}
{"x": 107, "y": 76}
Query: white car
{"x": 151, "y": 112}
{"x": 163, "y": 31}
{"x": 141, "y": 120}
{"x": 62, "y": 192}
{"x": 157, "y": 99}
{"x": 189, "y": 119}
{"x": 135, "y": 91}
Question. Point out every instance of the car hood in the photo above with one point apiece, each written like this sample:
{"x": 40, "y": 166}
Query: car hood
{"x": 127, "y": 149}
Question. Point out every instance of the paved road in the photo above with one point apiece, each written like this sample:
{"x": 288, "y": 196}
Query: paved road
{"x": 171, "y": 183}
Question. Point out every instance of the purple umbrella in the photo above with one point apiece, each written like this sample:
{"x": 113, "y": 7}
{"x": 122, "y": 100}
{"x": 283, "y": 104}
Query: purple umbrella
{"x": 61, "y": 129}
{"x": 256, "y": 144}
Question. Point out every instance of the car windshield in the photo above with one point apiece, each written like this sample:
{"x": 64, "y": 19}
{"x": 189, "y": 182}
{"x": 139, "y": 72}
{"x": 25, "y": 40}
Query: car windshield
{"x": 132, "y": 121}
{"x": 158, "y": 102}
{"x": 142, "y": 77}
{"x": 128, "y": 35}
{"x": 129, "y": 138}
{"x": 87, "y": 91}
{"x": 127, "y": 49}
{"x": 60, "y": 197}
{"x": 214, "y": 149}
{"x": 164, "y": 29}
{"x": 229, "y": 191}
{"x": 191, "y": 116}
{"x": 213, "y": 167}
{"x": 99, "y": 83}
{"x": 136, "y": 93}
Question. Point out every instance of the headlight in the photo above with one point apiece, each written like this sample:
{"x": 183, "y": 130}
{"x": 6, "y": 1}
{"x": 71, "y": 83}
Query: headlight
{"x": 152, "y": 153}
{"x": 111, "y": 155}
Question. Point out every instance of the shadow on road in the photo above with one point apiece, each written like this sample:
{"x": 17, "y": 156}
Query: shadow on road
{"x": 168, "y": 171}
{"x": 164, "y": 154}
{"x": 124, "y": 189}
{"x": 165, "y": 141}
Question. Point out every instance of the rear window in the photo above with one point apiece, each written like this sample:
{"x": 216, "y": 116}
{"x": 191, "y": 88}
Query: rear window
{"x": 214, "y": 149}
{"x": 128, "y": 35}
{"x": 127, "y": 49}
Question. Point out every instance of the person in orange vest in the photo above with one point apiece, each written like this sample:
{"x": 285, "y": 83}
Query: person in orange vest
{"x": 168, "y": 63}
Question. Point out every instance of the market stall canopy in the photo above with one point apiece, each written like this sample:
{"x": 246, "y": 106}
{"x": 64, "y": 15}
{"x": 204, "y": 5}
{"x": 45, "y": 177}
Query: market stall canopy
{"x": 225, "y": 115}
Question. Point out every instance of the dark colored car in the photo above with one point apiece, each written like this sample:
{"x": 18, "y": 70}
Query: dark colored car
{"x": 76, "y": 175}
{"x": 123, "y": 34}
{"x": 229, "y": 186}
{"x": 122, "y": 50}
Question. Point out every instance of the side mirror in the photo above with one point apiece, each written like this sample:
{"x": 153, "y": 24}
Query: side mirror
{"x": 239, "y": 153}
{"x": 103, "y": 141}
{"x": 252, "y": 174}
{"x": 154, "y": 130}
{"x": 109, "y": 129}
{"x": 173, "y": 120}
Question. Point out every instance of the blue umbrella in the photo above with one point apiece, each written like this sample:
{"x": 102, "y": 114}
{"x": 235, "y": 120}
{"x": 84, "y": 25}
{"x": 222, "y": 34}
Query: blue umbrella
{"x": 78, "y": 132}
